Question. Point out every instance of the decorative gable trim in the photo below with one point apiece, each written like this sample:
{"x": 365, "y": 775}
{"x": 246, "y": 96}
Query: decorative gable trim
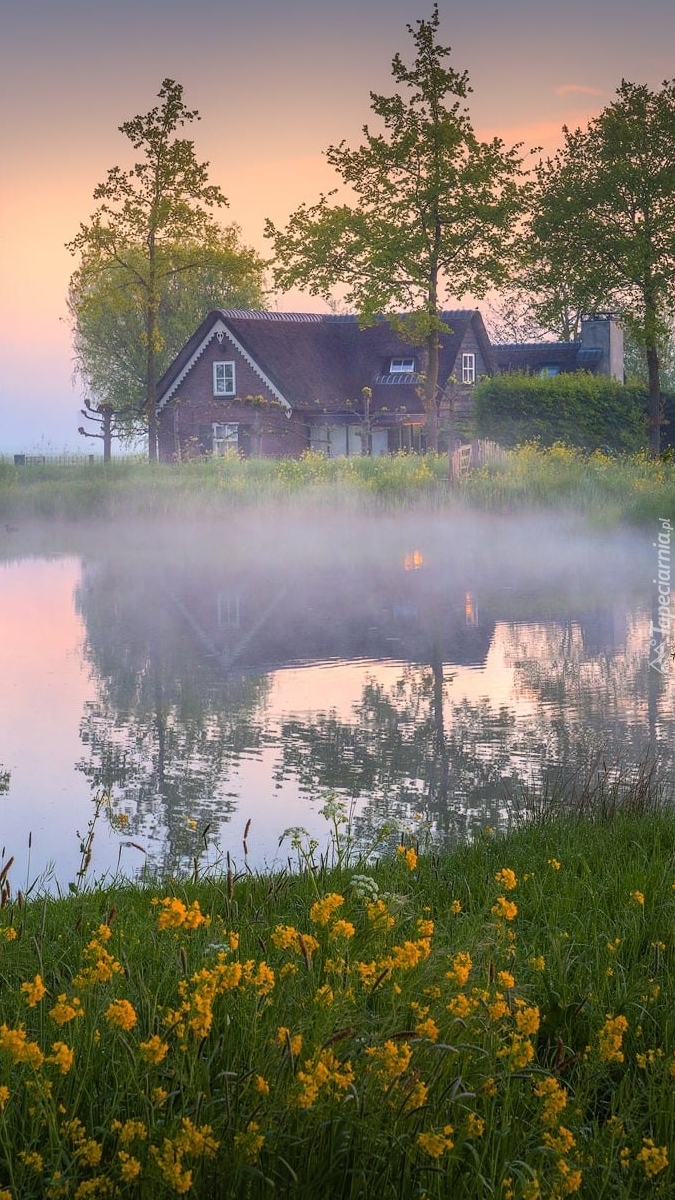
{"x": 220, "y": 331}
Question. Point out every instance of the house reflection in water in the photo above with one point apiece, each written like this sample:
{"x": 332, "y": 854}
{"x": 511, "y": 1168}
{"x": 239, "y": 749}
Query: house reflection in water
{"x": 257, "y": 620}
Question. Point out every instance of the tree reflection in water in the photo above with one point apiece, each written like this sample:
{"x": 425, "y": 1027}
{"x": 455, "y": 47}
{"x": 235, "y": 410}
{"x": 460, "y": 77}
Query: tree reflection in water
{"x": 185, "y": 651}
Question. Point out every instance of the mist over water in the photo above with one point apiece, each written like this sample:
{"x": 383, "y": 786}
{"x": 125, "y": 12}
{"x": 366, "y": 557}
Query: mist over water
{"x": 422, "y": 668}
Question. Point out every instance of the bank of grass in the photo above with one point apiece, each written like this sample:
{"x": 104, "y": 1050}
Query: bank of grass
{"x": 608, "y": 489}
{"x": 495, "y": 1021}
{"x": 602, "y": 488}
{"x": 212, "y": 488}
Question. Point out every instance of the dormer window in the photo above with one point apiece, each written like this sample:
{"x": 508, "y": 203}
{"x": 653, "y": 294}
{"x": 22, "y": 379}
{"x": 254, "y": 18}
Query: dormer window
{"x": 223, "y": 379}
{"x": 402, "y": 366}
{"x": 469, "y": 367}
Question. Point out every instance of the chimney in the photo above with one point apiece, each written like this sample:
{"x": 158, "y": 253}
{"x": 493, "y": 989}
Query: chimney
{"x": 602, "y": 332}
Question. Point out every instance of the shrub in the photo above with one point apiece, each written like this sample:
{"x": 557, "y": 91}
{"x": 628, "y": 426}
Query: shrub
{"x": 584, "y": 410}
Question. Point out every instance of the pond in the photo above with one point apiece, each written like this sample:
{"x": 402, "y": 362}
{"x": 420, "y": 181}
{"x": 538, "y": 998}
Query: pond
{"x": 212, "y": 686}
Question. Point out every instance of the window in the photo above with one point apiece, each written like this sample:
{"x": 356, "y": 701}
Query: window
{"x": 469, "y": 368}
{"x": 402, "y": 366}
{"x": 225, "y": 437}
{"x": 545, "y": 372}
{"x": 223, "y": 379}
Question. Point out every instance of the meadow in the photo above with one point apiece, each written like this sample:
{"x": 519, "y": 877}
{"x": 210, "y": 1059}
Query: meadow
{"x": 495, "y": 1021}
{"x": 602, "y": 488}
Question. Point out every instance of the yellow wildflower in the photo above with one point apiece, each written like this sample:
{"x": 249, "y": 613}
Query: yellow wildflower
{"x": 553, "y": 864}
{"x": 342, "y": 929}
{"x": 526, "y": 1018}
{"x": 505, "y": 908}
{"x": 475, "y": 1126}
{"x": 261, "y": 1085}
{"x": 154, "y": 1050}
{"x": 379, "y": 915}
{"x": 285, "y": 937}
{"x": 34, "y": 991}
{"x": 121, "y": 1013}
{"x": 428, "y": 1029}
{"x": 129, "y": 1131}
{"x": 436, "y": 1144}
{"x": 610, "y": 1038}
{"x": 389, "y": 1061}
{"x": 409, "y": 856}
{"x": 455, "y": 907}
{"x": 638, "y": 897}
{"x": 66, "y": 1010}
{"x": 461, "y": 968}
{"x": 538, "y": 963}
{"x": 322, "y": 910}
{"x": 250, "y": 1143}
{"x": 4, "y": 1095}
{"x": 62, "y": 1057}
{"x": 10, "y": 935}
{"x": 554, "y": 1097}
{"x": 425, "y": 927}
{"x": 32, "y": 1160}
{"x": 15, "y": 1043}
{"x": 462, "y": 1005}
{"x": 323, "y": 1071}
{"x": 505, "y": 979}
{"x": 561, "y": 1141}
{"x": 291, "y": 1042}
{"x": 570, "y": 1181}
{"x": 498, "y": 1008}
{"x": 654, "y": 1159}
{"x": 130, "y": 1168}
{"x": 507, "y": 878}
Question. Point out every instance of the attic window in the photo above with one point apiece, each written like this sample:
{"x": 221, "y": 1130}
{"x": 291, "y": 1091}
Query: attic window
{"x": 469, "y": 367}
{"x": 402, "y": 366}
{"x": 223, "y": 379}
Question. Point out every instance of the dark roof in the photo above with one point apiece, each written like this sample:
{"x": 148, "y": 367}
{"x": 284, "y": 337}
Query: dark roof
{"x": 321, "y": 361}
{"x": 536, "y": 356}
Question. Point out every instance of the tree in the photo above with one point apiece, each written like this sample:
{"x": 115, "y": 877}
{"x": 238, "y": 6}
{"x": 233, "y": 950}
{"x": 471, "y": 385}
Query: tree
{"x": 164, "y": 202}
{"x": 432, "y": 213}
{"x": 603, "y": 221}
{"x": 107, "y": 306}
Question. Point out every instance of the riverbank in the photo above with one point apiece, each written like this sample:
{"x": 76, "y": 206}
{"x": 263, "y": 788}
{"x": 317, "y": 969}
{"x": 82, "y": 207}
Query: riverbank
{"x": 600, "y": 488}
{"x": 496, "y": 1020}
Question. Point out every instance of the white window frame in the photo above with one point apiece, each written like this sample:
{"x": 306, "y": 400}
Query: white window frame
{"x": 224, "y": 437}
{"x": 468, "y": 367}
{"x": 402, "y": 366}
{"x": 224, "y": 380}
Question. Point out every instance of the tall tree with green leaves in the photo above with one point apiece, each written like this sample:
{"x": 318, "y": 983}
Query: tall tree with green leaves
{"x": 107, "y": 305}
{"x": 155, "y": 222}
{"x": 432, "y": 212}
{"x": 602, "y": 225}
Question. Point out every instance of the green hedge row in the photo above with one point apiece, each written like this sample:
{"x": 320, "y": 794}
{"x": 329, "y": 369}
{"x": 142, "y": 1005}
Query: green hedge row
{"x": 580, "y": 409}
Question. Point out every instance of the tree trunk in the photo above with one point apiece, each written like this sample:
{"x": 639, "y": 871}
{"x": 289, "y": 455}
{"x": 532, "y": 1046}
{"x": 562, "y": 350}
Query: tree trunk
{"x": 654, "y": 376}
{"x": 430, "y": 391}
{"x": 107, "y": 414}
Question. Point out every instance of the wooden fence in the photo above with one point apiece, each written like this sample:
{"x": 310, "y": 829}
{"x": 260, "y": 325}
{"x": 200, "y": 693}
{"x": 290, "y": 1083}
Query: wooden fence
{"x": 472, "y": 454}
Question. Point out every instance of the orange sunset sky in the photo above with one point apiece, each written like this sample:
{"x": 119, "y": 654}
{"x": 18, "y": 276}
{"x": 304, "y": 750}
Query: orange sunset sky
{"x": 275, "y": 82}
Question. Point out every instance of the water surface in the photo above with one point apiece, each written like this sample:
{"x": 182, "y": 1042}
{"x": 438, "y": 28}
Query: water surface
{"x": 422, "y": 669}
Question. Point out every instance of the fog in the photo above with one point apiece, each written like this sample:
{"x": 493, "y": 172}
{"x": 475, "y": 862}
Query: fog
{"x": 206, "y": 675}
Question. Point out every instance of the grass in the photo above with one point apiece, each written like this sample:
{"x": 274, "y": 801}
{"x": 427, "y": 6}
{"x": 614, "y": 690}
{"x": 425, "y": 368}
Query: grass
{"x": 605, "y": 489}
{"x": 495, "y": 1021}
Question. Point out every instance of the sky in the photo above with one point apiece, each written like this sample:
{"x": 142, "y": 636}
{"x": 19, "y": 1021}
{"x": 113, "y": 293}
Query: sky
{"x": 275, "y": 83}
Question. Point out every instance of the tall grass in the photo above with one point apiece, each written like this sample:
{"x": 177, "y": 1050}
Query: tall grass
{"x": 608, "y": 489}
{"x": 492, "y": 1022}
{"x": 603, "y": 488}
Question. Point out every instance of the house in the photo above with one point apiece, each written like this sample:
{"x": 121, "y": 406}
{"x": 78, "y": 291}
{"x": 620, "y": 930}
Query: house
{"x": 599, "y": 350}
{"x": 277, "y": 384}
{"x": 281, "y": 383}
